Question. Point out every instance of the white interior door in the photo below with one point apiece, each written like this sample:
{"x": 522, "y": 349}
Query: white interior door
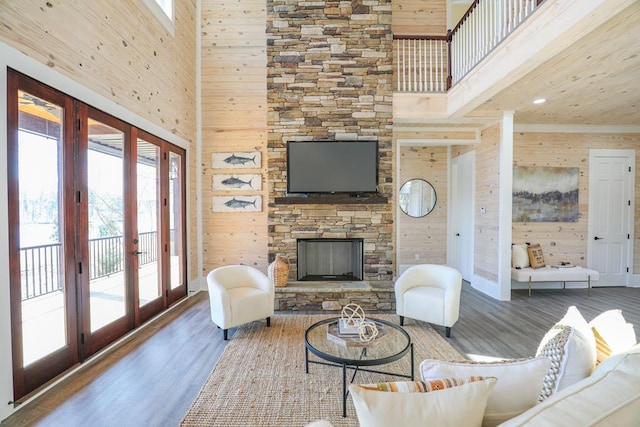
{"x": 462, "y": 208}
{"x": 611, "y": 180}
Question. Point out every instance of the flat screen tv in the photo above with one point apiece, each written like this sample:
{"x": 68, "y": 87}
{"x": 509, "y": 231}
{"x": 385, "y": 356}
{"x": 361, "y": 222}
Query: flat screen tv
{"x": 332, "y": 167}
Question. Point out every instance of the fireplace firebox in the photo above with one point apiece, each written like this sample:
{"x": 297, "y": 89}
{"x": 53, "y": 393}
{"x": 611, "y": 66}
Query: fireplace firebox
{"x": 330, "y": 259}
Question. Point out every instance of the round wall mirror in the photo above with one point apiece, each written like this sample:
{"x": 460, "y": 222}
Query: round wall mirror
{"x": 417, "y": 198}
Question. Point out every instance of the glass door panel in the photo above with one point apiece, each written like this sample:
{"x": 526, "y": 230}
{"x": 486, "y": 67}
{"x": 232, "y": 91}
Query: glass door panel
{"x": 148, "y": 194}
{"x": 105, "y": 171}
{"x": 176, "y": 221}
{"x": 44, "y": 320}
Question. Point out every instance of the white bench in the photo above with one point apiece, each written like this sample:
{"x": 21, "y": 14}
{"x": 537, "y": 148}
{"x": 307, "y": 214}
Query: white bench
{"x": 550, "y": 274}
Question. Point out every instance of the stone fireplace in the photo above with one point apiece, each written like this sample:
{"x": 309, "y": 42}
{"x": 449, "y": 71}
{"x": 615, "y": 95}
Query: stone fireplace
{"x": 330, "y": 77}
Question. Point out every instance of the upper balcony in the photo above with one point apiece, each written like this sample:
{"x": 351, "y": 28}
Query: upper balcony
{"x": 582, "y": 57}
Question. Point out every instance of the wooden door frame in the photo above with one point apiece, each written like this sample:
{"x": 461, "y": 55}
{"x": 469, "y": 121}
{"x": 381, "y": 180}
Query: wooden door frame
{"x": 28, "y": 380}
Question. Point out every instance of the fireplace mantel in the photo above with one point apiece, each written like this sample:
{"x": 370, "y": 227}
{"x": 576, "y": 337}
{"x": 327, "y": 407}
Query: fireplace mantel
{"x": 331, "y": 200}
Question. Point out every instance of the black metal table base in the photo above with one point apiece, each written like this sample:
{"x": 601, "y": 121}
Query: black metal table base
{"x": 356, "y": 369}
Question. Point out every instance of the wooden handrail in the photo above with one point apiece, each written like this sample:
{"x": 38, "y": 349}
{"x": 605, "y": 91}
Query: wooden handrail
{"x": 418, "y": 37}
{"x": 465, "y": 16}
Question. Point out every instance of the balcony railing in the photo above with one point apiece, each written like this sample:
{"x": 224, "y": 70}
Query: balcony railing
{"x": 40, "y": 265}
{"x": 436, "y": 63}
{"x": 423, "y": 63}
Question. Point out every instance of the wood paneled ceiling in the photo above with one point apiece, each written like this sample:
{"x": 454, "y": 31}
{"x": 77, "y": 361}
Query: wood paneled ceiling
{"x": 594, "y": 81}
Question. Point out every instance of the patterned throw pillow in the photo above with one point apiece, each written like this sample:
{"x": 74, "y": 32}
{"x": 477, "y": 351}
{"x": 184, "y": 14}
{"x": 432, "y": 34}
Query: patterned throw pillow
{"x": 554, "y": 350}
{"x": 420, "y": 386}
{"x": 571, "y": 347}
{"x": 536, "y": 257}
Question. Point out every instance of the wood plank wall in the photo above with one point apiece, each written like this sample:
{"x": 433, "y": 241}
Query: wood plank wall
{"x": 567, "y": 241}
{"x": 425, "y": 237}
{"x": 234, "y": 119}
{"x": 487, "y": 195}
{"x": 419, "y": 17}
{"x": 122, "y": 53}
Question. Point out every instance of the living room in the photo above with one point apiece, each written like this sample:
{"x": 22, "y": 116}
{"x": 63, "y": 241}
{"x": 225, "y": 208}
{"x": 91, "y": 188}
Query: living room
{"x": 130, "y": 65}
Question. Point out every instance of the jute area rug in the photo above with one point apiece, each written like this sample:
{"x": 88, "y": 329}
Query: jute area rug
{"x": 260, "y": 378}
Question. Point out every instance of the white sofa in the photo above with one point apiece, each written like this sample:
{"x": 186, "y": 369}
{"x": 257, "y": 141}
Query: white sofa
{"x": 610, "y": 396}
{"x": 562, "y": 379}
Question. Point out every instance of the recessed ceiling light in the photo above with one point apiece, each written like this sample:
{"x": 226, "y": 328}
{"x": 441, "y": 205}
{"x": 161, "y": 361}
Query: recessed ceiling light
{"x": 539, "y": 101}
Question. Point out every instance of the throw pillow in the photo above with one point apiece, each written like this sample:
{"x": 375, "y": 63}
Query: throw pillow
{"x": 612, "y": 334}
{"x": 460, "y": 405}
{"x": 517, "y": 389}
{"x": 519, "y": 256}
{"x": 320, "y": 423}
{"x": 571, "y": 347}
{"x": 536, "y": 257}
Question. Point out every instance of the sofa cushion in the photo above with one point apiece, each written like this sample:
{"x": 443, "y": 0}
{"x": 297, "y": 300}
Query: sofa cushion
{"x": 609, "y": 397}
{"x": 460, "y": 405}
{"x": 517, "y": 389}
{"x": 612, "y": 334}
{"x": 571, "y": 347}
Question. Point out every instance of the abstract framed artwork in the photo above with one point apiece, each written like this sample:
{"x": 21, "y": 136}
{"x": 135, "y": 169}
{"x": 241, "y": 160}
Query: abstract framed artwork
{"x": 545, "y": 194}
{"x": 244, "y": 203}
{"x": 237, "y": 160}
{"x": 235, "y": 182}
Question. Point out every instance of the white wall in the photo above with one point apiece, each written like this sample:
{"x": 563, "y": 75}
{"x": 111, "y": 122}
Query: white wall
{"x": 12, "y": 58}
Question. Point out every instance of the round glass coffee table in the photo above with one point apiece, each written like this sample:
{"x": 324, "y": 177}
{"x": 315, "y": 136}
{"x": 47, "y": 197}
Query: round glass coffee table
{"x": 323, "y": 340}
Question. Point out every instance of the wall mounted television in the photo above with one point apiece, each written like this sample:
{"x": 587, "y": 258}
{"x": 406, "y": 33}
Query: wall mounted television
{"x": 332, "y": 167}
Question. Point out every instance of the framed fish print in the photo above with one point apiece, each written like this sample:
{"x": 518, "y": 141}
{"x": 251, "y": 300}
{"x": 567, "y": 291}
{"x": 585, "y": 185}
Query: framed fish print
{"x": 237, "y": 204}
{"x": 234, "y": 182}
{"x": 237, "y": 160}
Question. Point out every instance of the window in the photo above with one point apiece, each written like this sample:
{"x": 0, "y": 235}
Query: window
{"x": 163, "y": 10}
{"x": 167, "y": 7}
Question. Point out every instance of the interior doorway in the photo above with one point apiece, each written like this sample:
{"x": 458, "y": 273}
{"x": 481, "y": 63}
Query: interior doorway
{"x": 462, "y": 218}
{"x": 611, "y": 207}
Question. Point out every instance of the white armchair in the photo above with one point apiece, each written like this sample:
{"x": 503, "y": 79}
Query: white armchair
{"x": 239, "y": 294}
{"x": 431, "y": 293}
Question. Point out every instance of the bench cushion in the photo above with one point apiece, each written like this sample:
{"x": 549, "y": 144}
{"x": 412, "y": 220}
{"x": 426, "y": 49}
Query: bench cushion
{"x": 550, "y": 274}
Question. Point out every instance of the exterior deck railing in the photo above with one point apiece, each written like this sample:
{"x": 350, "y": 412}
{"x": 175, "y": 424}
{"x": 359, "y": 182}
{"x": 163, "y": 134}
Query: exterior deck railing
{"x": 430, "y": 63}
{"x": 41, "y": 265}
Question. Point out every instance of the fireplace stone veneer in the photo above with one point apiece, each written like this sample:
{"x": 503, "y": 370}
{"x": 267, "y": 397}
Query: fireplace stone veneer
{"x": 330, "y": 77}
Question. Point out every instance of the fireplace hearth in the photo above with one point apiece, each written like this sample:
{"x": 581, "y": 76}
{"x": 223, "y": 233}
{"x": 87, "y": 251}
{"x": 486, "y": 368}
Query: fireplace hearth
{"x": 330, "y": 259}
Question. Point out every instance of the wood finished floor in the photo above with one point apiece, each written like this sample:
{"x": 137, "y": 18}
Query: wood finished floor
{"x": 152, "y": 379}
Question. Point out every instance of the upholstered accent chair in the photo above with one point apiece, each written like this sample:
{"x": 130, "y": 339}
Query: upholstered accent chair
{"x": 239, "y": 294}
{"x": 431, "y": 293}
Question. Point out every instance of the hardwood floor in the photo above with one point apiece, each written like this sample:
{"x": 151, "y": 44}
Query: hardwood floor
{"x": 151, "y": 379}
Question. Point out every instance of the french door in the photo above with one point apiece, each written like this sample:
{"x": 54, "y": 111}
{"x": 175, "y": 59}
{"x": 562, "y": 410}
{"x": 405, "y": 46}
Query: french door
{"x": 96, "y": 229}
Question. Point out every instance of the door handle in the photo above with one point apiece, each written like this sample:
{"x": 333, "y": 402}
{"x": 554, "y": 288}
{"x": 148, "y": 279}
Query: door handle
{"x": 138, "y": 253}
{"x": 598, "y": 238}
{"x": 457, "y": 234}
